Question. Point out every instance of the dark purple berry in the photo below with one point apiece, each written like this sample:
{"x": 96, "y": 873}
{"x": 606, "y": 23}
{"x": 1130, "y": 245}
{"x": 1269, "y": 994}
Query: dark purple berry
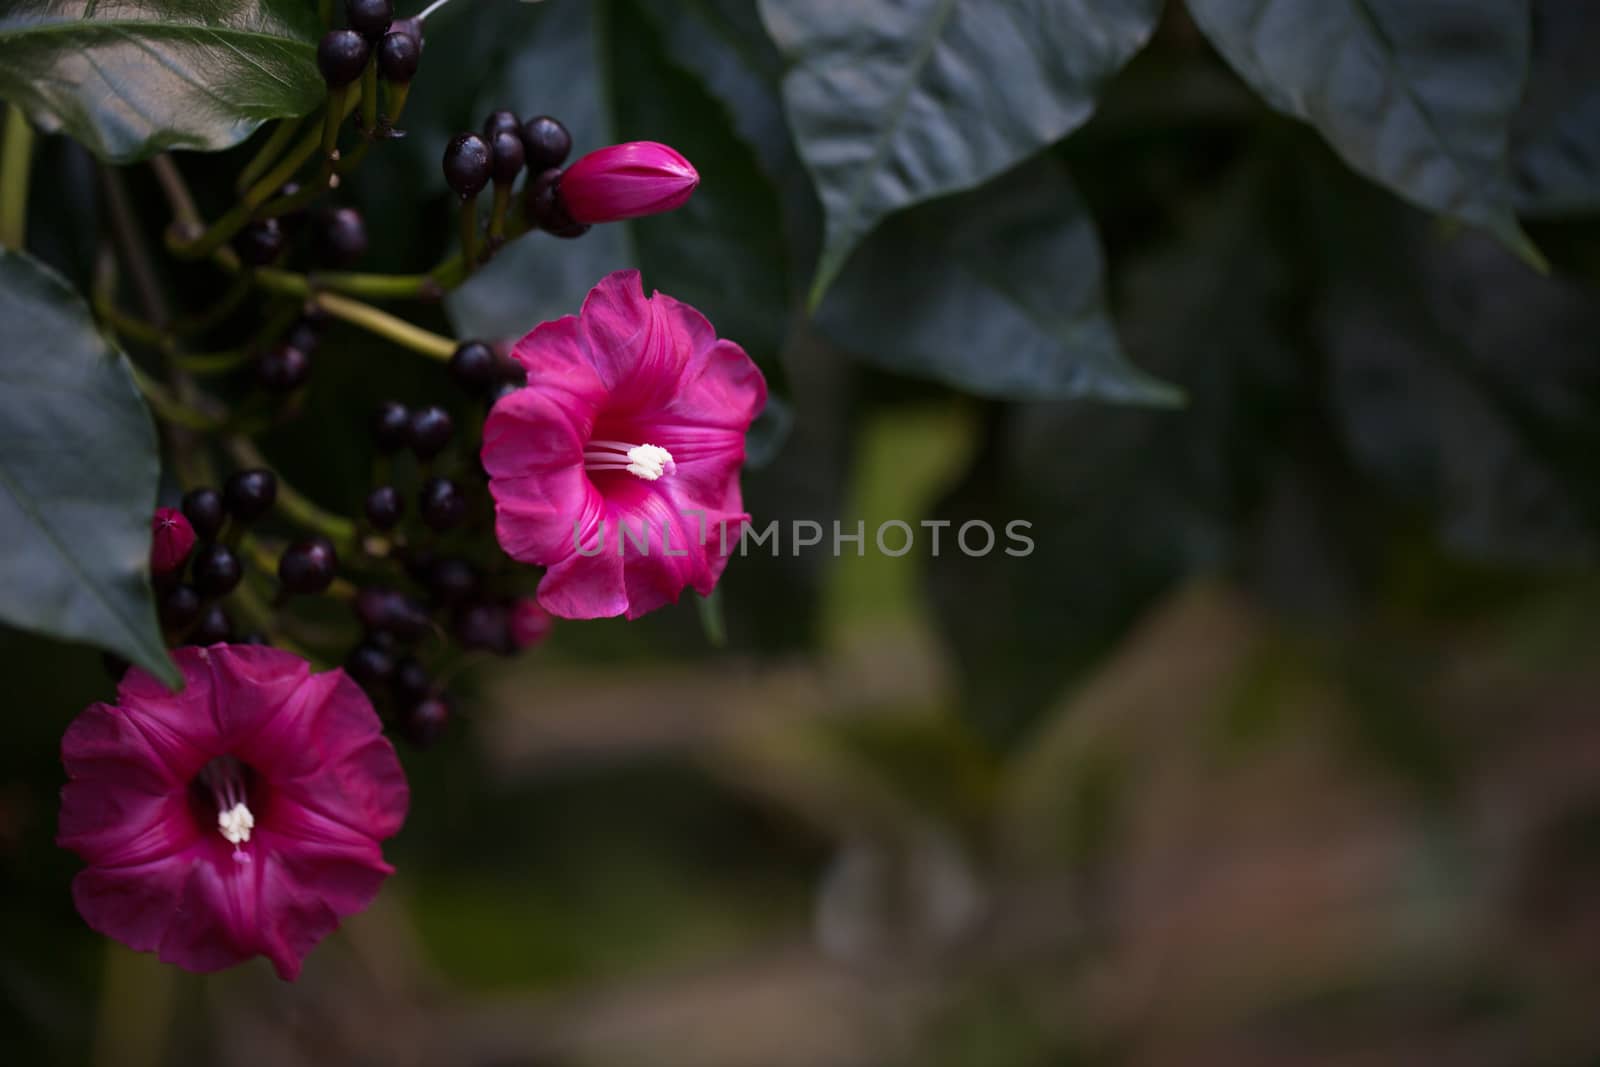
{"x": 474, "y": 366}
{"x": 502, "y": 389}
{"x": 385, "y": 505}
{"x": 250, "y": 494}
{"x": 341, "y": 237}
{"x": 505, "y": 149}
{"x": 501, "y": 121}
{"x": 217, "y": 570}
{"x": 451, "y": 580}
{"x": 430, "y": 431}
{"x": 543, "y": 203}
{"x": 203, "y": 508}
{"x": 483, "y": 627}
{"x": 254, "y": 637}
{"x": 411, "y": 27}
{"x": 213, "y": 628}
{"x": 388, "y": 611}
{"x": 260, "y": 242}
{"x": 308, "y": 566}
{"x": 304, "y": 335}
{"x": 547, "y": 143}
{"x": 399, "y": 53}
{"x": 180, "y": 606}
{"x": 283, "y": 369}
{"x": 341, "y": 56}
{"x": 466, "y": 164}
{"x": 426, "y": 721}
{"x": 370, "y": 18}
{"x": 391, "y": 426}
{"x": 370, "y": 663}
{"x": 441, "y": 503}
{"x": 411, "y": 682}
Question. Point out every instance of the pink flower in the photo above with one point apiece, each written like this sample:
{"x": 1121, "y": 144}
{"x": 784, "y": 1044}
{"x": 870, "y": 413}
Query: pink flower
{"x": 627, "y": 181}
{"x": 171, "y": 540}
{"x": 530, "y": 624}
{"x": 618, "y": 466}
{"x": 238, "y": 817}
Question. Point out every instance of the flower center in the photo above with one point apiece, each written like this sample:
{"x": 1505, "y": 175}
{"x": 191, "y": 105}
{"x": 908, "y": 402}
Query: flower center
{"x": 642, "y": 461}
{"x": 224, "y": 780}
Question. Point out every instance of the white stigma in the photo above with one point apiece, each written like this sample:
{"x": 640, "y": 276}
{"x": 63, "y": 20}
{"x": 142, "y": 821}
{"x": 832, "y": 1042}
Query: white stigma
{"x": 236, "y": 823}
{"x": 642, "y": 461}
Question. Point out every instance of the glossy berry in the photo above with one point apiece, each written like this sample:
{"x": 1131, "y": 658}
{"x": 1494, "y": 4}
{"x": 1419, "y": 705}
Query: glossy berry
{"x": 426, "y": 721}
{"x": 547, "y": 143}
{"x": 391, "y": 426}
{"x": 506, "y": 155}
{"x": 217, "y": 571}
{"x": 213, "y": 628}
{"x": 254, "y": 637}
{"x": 410, "y": 682}
{"x": 399, "y": 53}
{"x": 283, "y": 369}
{"x": 260, "y": 242}
{"x": 304, "y": 335}
{"x": 179, "y": 608}
{"x": 543, "y": 204}
{"x": 501, "y": 389}
{"x": 484, "y": 627}
{"x": 250, "y": 494}
{"x": 308, "y": 566}
{"x": 391, "y": 612}
{"x": 384, "y": 507}
{"x": 341, "y": 56}
{"x": 370, "y": 663}
{"x": 430, "y": 431}
{"x": 441, "y": 503}
{"x": 369, "y": 18}
{"x": 203, "y": 508}
{"x": 474, "y": 366}
{"x": 341, "y": 237}
{"x": 501, "y": 121}
{"x": 451, "y": 580}
{"x": 466, "y": 164}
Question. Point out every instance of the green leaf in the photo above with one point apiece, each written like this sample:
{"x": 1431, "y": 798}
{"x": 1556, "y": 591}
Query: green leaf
{"x": 1417, "y": 94}
{"x": 78, "y": 474}
{"x": 894, "y": 102}
{"x": 137, "y": 77}
{"x": 998, "y": 291}
{"x": 1556, "y": 142}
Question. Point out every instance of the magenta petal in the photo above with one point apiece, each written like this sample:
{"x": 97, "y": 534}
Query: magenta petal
{"x": 623, "y": 485}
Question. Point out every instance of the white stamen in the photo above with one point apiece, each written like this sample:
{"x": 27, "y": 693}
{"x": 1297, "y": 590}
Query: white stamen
{"x": 642, "y": 461}
{"x": 236, "y": 823}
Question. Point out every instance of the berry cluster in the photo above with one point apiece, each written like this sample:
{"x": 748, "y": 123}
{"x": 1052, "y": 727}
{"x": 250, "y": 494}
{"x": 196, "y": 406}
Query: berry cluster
{"x": 506, "y": 148}
{"x": 192, "y": 585}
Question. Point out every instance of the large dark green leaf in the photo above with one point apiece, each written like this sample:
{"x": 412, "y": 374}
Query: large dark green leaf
{"x": 1557, "y": 136}
{"x": 999, "y": 291}
{"x": 78, "y": 473}
{"x": 894, "y": 102}
{"x": 1417, "y": 94}
{"x": 133, "y": 78}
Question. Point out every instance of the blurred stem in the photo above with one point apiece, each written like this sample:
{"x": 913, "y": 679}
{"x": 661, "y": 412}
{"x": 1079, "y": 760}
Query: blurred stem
{"x": 168, "y": 407}
{"x": 395, "y": 101}
{"x": 16, "y": 164}
{"x": 386, "y": 325}
{"x": 176, "y": 190}
{"x": 369, "y": 96}
{"x": 469, "y": 232}
{"x": 333, "y": 119}
{"x": 497, "y": 219}
{"x": 293, "y": 503}
{"x": 431, "y": 8}
{"x": 282, "y": 134}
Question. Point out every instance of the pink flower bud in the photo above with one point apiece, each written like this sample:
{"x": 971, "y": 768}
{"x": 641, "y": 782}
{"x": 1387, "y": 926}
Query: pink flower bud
{"x": 530, "y": 624}
{"x": 627, "y": 181}
{"x": 171, "y": 540}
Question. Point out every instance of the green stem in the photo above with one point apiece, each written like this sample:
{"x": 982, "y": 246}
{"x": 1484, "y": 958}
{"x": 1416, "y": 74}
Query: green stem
{"x": 337, "y": 99}
{"x": 497, "y": 220}
{"x": 169, "y": 408}
{"x": 369, "y": 96}
{"x": 293, "y": 504}
{"x": 16, "y": 163}
{"x": 469, "y": 231}
{"x": 386, "y": 325}
{"x": 394, "y": 101}
{"x": 271, "y": 149}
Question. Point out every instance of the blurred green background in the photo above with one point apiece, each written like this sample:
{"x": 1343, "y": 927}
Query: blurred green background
{"x": 1283, "y": 747}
